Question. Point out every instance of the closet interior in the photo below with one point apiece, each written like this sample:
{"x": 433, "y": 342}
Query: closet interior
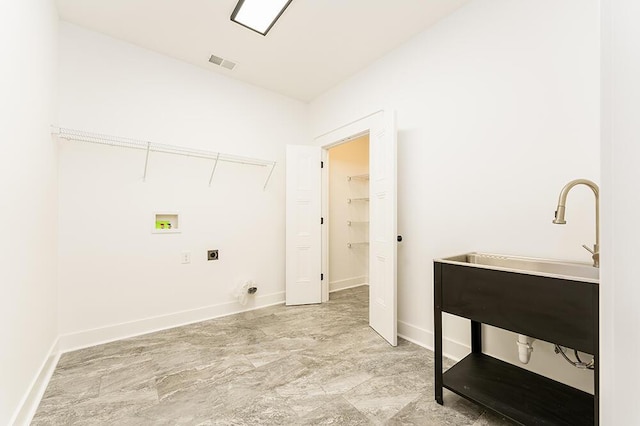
{"x": 349, "y": 214}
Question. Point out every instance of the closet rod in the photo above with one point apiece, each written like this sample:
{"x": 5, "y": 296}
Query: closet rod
{"x": 123, "y": 142}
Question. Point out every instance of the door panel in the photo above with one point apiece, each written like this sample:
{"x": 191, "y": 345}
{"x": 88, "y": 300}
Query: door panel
{"x": 303, "y": 229}
{"x": 383, "y": 228}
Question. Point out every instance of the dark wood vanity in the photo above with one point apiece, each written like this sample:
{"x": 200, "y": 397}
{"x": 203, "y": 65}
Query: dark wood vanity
{"x": 542, "y": 306}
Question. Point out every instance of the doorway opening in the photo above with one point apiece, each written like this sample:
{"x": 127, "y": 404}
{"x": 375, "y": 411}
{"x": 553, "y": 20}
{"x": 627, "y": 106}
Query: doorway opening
{"x": 307, "y": 273}
{"x": 348, "y": 202}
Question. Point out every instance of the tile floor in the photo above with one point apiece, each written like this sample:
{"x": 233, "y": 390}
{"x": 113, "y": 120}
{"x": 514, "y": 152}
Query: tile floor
{"x": 306, "y": 365}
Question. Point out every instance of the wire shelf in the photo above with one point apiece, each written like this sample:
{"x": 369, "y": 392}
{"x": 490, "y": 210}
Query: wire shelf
{"x": 350, "y": 245}
{"x": 148, "y": 146}
{"x": 350, "y": 200}
{"x": 358, "y": 177}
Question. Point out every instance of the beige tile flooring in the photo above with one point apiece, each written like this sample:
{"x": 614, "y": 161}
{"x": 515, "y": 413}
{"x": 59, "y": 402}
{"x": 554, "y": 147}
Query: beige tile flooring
{"x": 303, "y": 365}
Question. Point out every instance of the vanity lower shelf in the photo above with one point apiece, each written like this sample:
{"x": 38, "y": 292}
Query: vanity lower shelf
{"x": 518, "y": 394}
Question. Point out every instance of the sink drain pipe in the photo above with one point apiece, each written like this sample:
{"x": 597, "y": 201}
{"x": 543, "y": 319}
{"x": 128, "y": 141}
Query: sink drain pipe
{"x": 524, "y": 348}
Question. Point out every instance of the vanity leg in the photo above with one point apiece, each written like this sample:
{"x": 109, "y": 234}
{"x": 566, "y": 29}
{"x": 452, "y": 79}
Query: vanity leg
{"x": 476, "y": 337}
{"x": 437, "y": 344}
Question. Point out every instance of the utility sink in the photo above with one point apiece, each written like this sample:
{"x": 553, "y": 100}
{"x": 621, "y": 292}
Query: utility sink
{"x": 573, "y": 271}
{"x": 551, "y": 300}
{"x": 547, "y": 299}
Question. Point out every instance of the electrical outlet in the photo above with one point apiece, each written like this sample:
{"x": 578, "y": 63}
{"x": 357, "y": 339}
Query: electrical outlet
{"x": 185, "y": 257}
{"x": 212, "y": 254}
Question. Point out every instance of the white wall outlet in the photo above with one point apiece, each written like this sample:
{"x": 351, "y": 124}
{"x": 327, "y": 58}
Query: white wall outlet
{"x": 185, "y": 257}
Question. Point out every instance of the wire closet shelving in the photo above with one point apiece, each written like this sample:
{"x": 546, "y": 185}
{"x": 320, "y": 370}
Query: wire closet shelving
{"x": 149, "y": 147}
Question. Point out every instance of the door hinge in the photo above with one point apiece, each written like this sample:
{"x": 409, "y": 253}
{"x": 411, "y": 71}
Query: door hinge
{"x": 322, "y": 221}
{"x": 322, "y": 164}
{"x": 321, "y": 277}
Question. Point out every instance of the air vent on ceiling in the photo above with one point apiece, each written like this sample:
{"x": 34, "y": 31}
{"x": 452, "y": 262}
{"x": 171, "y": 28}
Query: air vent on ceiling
{"x": 215, "y": 59}
{"x": 224, "y": 63}
{"x": 228, "y": 64}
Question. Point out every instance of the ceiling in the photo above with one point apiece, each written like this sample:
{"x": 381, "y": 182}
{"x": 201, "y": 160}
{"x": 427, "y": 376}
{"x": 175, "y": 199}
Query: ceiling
{"x": 315, "y": 44}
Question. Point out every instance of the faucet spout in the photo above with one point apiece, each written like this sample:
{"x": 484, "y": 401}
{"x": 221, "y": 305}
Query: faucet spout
{"x": 560, "y": 212}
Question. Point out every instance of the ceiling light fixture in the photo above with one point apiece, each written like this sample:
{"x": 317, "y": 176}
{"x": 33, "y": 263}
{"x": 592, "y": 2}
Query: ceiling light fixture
{"x": 259, "y": 15}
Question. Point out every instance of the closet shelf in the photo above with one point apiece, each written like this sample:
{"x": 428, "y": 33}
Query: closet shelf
{"x": 123, "y": 142}
{"x": 364, "y": 243}
{"x": 358, "y": 177}
{"x": 350, "y": 200}
{"x": 357, "y": 222}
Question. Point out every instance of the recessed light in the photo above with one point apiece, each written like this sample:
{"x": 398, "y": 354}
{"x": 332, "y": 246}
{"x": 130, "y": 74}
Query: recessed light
{"x": 259, "y": 15}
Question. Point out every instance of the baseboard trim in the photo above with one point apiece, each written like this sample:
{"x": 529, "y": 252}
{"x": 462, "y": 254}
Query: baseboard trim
{"x": 31, "y": 400}
{"x": 452, "y": 349}
{"x": 348, "y": 283}
{"x": 97, "y": 336}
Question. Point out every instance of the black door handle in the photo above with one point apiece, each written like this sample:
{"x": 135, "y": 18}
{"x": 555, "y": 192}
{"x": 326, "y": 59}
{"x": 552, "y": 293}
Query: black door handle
{"x": 399, "y": 238}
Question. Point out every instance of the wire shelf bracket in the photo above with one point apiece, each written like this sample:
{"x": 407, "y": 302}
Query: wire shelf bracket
{"x": 149, "y": 147}
{"x": 215, "y": 164}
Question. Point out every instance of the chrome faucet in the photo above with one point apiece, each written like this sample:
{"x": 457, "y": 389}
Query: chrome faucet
{"x": 562, "y": 201}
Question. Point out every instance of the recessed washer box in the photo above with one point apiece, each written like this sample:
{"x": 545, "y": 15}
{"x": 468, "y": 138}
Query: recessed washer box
{"x": 166, "y": 223}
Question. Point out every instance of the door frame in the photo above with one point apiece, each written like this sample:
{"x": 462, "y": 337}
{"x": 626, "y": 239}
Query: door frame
{"x": 325, "y": 209}
{"x": 341, "y": 134}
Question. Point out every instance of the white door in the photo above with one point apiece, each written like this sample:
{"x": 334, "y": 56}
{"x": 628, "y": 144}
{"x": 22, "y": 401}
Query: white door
{"x": 303, "y": 229}
{"x": 383, "y": 227}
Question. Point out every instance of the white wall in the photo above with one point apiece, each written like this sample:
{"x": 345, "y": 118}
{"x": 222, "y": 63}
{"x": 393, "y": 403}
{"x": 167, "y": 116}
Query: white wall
{"x": 620, "y": 292}
{"x": 348, "y": 267}
{"x": 28, "y": 212}
{"x": 497, "y": 109}
{"x": 116, "y": 277}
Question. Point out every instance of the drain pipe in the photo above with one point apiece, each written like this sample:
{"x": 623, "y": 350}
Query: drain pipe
{"x": 524, "y": 348}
